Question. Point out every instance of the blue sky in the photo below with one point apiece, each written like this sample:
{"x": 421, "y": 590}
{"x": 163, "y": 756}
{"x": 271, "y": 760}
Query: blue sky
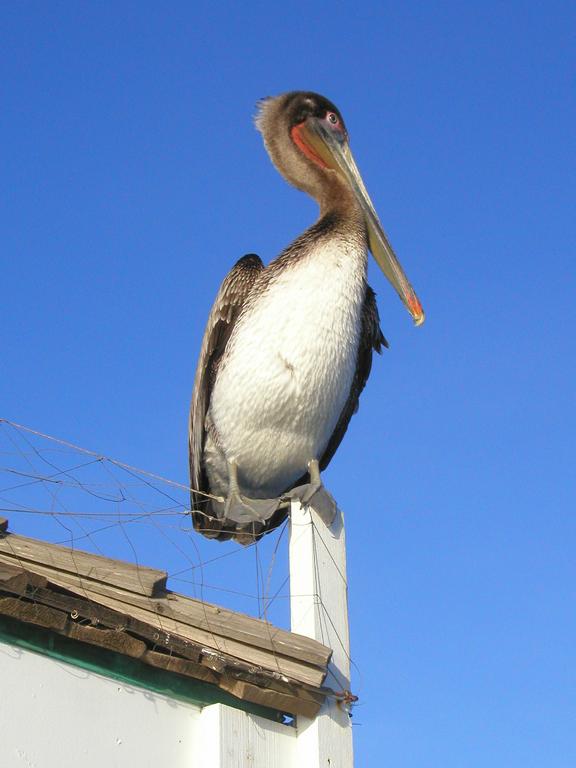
{"x": 133, "y": 178}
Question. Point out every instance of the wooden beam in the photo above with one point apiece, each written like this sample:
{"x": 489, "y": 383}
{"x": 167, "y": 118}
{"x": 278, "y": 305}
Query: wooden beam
{"x": 156, "y": 614}
{"x": 32, "y": 613}
{"x": 246, "y": 628}
{"x": 37, "y": 600}
{"x": 99, "y": 614}
{"x": 291, "y": 668}
{"x": 284, "y": 702}
{"x": 17, "y": 580}
{"x": 180, "y": 666}
{"x": 22, "y": 550}
{"x": 210, "y": 619}
{"x": 319, "y": 609}
{"x": 111, "y": 640}
{"x": 12, "y": 579}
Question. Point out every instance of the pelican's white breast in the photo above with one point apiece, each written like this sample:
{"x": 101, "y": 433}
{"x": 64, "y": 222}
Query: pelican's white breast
{"x": 288, "y": 368}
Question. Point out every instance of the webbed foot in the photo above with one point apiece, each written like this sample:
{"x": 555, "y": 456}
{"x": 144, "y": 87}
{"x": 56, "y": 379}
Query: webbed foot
{"x": 315, "y": 495}
{"x": 242, "y": 509}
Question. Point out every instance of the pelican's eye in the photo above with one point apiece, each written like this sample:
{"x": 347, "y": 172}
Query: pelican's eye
{"x": 333, "y": 118}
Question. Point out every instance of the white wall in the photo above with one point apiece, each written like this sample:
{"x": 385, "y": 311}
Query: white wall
{"x": 54, "y": 715}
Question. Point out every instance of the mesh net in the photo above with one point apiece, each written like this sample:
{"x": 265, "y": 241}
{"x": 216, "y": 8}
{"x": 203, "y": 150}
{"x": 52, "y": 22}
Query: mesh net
{"x": 58, "y": 492}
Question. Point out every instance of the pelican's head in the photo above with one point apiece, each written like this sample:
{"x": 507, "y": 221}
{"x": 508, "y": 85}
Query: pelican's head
{"x": 307, "y": 141}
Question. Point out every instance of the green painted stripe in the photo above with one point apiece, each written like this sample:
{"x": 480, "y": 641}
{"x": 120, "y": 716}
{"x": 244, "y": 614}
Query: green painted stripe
{"x": 118, "y": 667}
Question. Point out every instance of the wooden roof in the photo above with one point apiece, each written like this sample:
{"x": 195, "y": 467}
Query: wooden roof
{"x": 127, "y": 608}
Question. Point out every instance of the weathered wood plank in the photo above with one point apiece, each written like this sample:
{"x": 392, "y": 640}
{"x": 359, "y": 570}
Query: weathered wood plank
{"x": 12, "y": 579}
{"x": 146, "y": 610}
{"x": 99, "y": 614}
{"x": 269, "y": 698}
{"x": 15, "y": 579}
{"x": 314, "y": 696}
{"x": 112, "y": 640}
{"x": 291, "y": 668}
{"x": 126, "y": 599}
{"x": 246, "y": 682}
{"x": 33, "y": 613}
{"x": 128, "y": 576}
{"x": 121, "y": 642}
{"x": 214, "y": 660}
{"x": 180, "y": 666}
{"x": 246, "y": 628}
{"x": 94, "y": 573}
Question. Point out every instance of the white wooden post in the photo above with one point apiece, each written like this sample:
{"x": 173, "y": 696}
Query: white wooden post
{"x": 231, "y": 738}
{"x": 319, "y": 609}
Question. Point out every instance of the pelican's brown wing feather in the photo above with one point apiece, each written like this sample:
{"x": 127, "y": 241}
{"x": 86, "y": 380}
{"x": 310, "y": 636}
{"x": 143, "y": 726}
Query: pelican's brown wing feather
{"x": 227, "y": 306}
{"x": 371, "y": 338}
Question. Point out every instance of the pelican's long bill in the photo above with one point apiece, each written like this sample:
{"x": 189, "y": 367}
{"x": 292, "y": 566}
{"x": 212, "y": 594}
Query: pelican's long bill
{"x": 334, "y": 151}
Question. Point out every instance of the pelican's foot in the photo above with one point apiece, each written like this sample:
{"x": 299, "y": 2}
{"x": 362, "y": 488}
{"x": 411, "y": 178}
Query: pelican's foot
{"x": 315, "y": 495}
{"x": 242, "y": 509}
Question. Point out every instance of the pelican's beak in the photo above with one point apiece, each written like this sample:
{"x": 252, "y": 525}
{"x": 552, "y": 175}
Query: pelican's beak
{"x": 332, "y": 148}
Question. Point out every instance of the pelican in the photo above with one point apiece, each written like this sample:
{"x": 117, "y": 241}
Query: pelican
{"x": 288, "y": 347}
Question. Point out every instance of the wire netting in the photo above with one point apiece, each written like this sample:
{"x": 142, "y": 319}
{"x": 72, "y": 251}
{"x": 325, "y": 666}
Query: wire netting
{"x": 64, "y": 494}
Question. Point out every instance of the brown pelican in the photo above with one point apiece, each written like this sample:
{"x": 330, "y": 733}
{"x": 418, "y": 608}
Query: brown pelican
{"x": 288, "y": 347}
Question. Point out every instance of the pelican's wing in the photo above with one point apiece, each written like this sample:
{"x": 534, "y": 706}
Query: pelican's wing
{"x": 225, "y": 311}
{"x": 371, "y": 338}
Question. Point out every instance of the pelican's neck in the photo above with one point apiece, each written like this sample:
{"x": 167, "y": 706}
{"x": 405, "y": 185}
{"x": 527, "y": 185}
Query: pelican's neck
{"x": 336, "y": 198}
{"x": 341, "y": 215}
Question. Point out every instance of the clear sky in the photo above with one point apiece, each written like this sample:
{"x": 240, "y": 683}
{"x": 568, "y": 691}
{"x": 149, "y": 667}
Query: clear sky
{"x": 132, "y": 179}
